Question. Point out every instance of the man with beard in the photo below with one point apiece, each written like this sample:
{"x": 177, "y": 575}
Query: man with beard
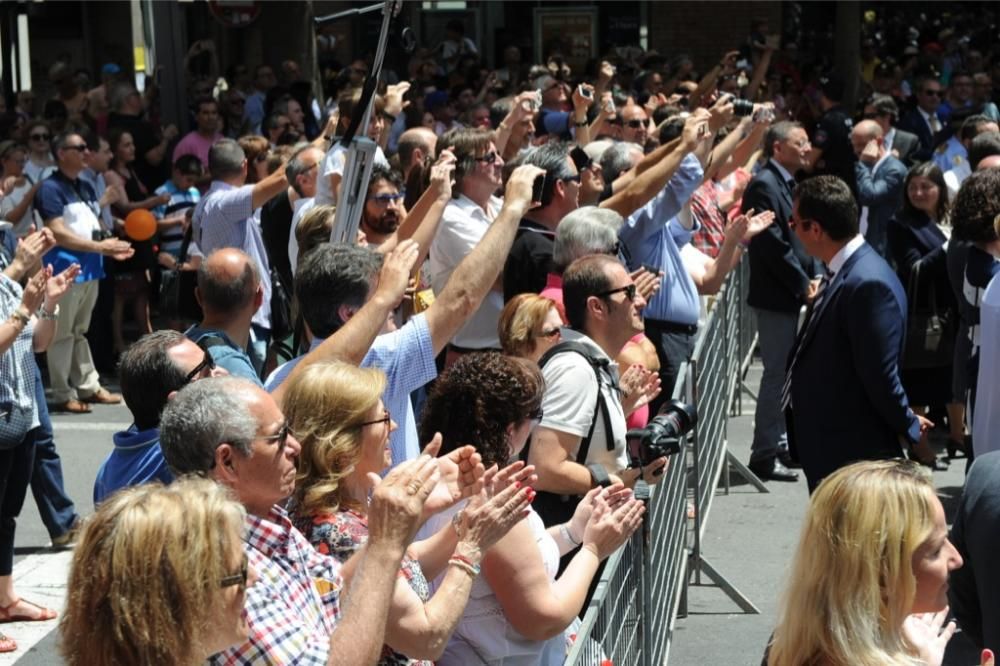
{"x": 384, "y": 210}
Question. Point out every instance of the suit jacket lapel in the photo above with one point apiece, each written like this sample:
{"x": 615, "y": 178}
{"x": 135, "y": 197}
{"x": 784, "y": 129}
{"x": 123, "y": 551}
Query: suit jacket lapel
{"x": 786, "y": 193}
{"x": 831, "y": 291}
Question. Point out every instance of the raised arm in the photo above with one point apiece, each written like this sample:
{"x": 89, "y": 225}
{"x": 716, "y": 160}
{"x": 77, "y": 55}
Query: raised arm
{"x": 353, "y": 340}
{"x": 478, "y": 271}
{"x": 423, "y": 219}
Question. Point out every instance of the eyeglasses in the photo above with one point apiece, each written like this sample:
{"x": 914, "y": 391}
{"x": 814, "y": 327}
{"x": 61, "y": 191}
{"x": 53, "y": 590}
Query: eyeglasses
{"x": 535, "y": 416}
{"x": 636, "y": 124}
{"x": 239, "y": 578}
{"x": 629, "y": 291}
{"x": 386, "y": 199}
{"x": 207, "y": 363}
{"x": 40, "y": 137}
{"x": 281, "y": 437}
{"x": 794, "y": 222}
{"x": 488, "y": 158}
{"x": 82, "y": 148}
{"x": 550, "y": 333}
{"x": 571, "y": 179}
{"x": 620, "y": 250}
{"x": 931, "y": 93}
{"x": 261, "y": 157}
{"x": 385, "y": 419}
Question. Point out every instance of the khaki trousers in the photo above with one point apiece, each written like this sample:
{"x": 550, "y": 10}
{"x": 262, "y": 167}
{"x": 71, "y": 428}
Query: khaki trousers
{"x": 71, "y": 369}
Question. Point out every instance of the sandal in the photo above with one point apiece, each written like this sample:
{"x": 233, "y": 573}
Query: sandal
{"x": 73, "y": 407}
{"x": 7, "y": 616}
{"x": 7, "y": 644}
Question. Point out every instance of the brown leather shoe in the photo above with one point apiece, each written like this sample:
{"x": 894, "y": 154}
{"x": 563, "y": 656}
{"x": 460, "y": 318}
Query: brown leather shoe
{"x": 104, "y": 397}
{"x": 73, "y": 407}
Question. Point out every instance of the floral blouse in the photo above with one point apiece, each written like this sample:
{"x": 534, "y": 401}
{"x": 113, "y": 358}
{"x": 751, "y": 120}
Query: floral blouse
{"x": 339, "y": 535}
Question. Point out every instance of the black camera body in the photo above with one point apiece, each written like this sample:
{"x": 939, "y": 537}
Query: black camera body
{"x": 98, "y": 235}
{"x": 662, "y": 435}
{"x": 742, "y": 107}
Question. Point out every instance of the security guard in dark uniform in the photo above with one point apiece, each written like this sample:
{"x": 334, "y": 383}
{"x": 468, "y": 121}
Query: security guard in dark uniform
{"x": 832, "y": 152}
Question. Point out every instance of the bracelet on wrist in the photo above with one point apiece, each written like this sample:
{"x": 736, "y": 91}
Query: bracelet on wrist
{"x": 567, "y": 535}
{"x": 45, "y": 315}
{"x": 19, "y": 317}
{"x": 464, "y": 564}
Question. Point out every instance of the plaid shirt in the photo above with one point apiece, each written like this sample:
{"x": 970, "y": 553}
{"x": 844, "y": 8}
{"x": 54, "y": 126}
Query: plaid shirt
{"x": 708, "y": 214}
{"x": 295, "y": 604}
{"x": 226, "y": 218}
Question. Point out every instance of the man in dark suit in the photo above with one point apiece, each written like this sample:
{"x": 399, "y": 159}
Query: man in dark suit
{"x": 974, "y": 589}
{"x": 843, "y": 396}
{"x": 879, "y": 181}
{"x": 781, "y": 275}
{"x": 883, "y": 110}
{"x": 923, "y": 120}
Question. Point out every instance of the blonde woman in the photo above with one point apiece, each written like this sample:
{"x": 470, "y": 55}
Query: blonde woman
{"x": 337, "y": 414}
{"x": 159, "y": 576}
{"x": 869, "y": 581}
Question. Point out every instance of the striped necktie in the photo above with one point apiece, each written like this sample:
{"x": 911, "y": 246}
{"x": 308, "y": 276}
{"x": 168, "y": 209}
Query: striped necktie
{"x": 811, "y": 319}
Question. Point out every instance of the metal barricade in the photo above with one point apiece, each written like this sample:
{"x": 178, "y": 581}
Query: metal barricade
{"x": 632, "y": 614}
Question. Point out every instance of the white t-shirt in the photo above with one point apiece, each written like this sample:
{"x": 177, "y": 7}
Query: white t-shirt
{"x": 571, "y": 396}
{"x": 334, "y": 163}
{"x": 463, "y": 225}
{"x": 301, "y": 207}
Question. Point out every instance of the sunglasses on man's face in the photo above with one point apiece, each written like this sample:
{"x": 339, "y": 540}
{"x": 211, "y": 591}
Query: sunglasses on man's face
{"x": 636, "y": 124}
{"x": 629, "y": 290}
{"x": 386, "y": 199}
{"x": 207, "y": 363}
{"x": 40, "y": 137}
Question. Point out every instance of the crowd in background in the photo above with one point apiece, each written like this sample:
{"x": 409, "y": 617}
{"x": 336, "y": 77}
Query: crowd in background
{"x": 432, "y": 417}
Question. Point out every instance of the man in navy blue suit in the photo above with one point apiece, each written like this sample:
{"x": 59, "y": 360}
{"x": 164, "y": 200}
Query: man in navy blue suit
{"x": 923, "y": 120}
{"x": 843, "y": 397}
{"x": 781, "y": 282}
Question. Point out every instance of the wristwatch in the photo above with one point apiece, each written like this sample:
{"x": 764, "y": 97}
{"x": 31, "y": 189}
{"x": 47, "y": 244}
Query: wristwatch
{"x": 598, "y": 476}
{"x": 45, "y": 316}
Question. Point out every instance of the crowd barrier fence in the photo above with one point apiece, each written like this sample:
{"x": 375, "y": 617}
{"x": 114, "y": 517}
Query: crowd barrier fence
{"x": 643, "y": 589}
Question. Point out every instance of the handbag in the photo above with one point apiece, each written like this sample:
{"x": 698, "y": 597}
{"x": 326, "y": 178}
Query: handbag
{"x": 177, "y": 299}
{"x": 15, "y": 422}
{"x": 930, "y": 330}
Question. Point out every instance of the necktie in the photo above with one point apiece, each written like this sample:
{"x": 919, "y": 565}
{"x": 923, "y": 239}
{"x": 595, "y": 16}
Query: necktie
{"x": 934, "y": 123}
{"x": 791, "y": 184}
{"x": 811, "y": 319}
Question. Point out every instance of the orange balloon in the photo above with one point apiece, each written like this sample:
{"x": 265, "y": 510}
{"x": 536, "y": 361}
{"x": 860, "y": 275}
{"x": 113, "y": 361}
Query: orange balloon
{"x": 140, "y": 225}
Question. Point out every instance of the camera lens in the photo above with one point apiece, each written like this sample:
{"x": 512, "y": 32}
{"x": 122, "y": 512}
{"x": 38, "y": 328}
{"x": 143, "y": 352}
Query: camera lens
{"x": 742, "y": 107}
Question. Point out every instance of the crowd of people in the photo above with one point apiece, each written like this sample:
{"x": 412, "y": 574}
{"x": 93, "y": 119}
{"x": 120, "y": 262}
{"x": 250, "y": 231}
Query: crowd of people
{"x": 411, "y": 447}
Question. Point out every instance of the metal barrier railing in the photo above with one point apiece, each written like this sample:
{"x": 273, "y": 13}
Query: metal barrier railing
{"x": 632, "y": 614}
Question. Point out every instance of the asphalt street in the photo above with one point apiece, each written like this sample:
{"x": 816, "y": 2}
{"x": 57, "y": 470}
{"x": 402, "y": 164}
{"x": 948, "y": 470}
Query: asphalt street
{"x": 750, "y": 540}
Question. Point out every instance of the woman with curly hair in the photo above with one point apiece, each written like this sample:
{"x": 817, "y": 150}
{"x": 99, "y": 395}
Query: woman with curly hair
{"x": 869, "y": 580}
{"x": 337, "y": 414}
{"x": 159, "y": 576}
{"x": 520, "y": 612}
{"x": 976, "y": 207}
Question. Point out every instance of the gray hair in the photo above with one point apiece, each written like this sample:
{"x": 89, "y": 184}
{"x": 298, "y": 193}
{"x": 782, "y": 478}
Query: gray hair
{"x": 595, "y": 149}
{"x": 225, "y": 159}
{"x": 779, "y": 131}
{"x": 297, "y": 166}
{"x": 617, "y": 159}
{"x": 587, "y": 230}
{"x": 203, "y": 415}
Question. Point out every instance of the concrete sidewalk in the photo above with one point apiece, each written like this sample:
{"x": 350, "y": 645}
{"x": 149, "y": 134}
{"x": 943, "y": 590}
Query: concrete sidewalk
{"x": 750, "y": 539}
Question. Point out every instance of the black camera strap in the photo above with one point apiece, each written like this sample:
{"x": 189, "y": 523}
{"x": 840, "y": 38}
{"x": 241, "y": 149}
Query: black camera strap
{"x": 601, "y": 407}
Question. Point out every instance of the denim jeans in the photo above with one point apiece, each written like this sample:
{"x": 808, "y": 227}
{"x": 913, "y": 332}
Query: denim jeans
{"x": 56, "y": 509}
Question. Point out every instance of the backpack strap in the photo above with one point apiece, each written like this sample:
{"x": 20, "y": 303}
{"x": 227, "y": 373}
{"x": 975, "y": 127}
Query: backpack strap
{"x": 601, "y": 407}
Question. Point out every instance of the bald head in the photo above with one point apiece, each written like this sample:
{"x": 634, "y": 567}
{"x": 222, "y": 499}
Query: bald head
{"x": 227, "y": 282}
{"x": 864, "y": 133}
{"x": 414, "y": 145}
{"x": 990, "y": 162}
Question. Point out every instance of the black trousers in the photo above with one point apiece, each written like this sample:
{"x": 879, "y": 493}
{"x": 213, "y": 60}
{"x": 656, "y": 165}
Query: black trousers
{"x": 674, "y": 345}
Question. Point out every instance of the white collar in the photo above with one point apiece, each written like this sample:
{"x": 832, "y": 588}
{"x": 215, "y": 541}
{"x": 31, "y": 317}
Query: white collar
{"x": 845, "y": 253}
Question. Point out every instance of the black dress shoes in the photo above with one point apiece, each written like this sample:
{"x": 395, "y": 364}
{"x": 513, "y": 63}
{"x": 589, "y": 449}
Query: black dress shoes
{"x": 785, "y": 458}
{"x": 772, "y": 470}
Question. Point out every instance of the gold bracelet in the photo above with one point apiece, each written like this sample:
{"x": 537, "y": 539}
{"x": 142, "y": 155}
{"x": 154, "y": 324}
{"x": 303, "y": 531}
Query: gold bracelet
{"x": 20, "y": 317}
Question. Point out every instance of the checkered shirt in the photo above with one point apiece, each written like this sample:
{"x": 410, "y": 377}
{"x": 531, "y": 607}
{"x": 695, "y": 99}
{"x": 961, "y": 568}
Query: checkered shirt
{"x": 226, "y": 218}
{"x": 295, "y": 604}
{"x": 17, "y": 364}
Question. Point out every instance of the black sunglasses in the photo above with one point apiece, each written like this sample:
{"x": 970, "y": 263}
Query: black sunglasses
{"x": 536, "y": 414}
{"x": 239, "y": 578}
{"x": 932, "y": 93}
{"x": 40, "y": 137}
{"x": 207, "y": 363}
{"x": 281, "y": 437}
{"x": 636, "y": 124}
{"x": 80, "y": 148}
{"x": 488, "y": 158}
{"x": 628, "y": 290}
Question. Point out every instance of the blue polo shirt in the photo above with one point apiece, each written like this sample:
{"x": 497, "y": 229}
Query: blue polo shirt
{"x": 227, "y": 356}
{"x": 136, "y": 459}
{"x": 76, "y": 202}
{"x": 655, "y": 237}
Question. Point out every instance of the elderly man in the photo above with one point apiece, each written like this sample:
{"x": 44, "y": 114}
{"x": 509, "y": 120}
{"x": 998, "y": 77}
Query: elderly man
{"x": 234, "y": 432}
{"x": 151, "y": 371}
{"x": 878, "y": 183}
